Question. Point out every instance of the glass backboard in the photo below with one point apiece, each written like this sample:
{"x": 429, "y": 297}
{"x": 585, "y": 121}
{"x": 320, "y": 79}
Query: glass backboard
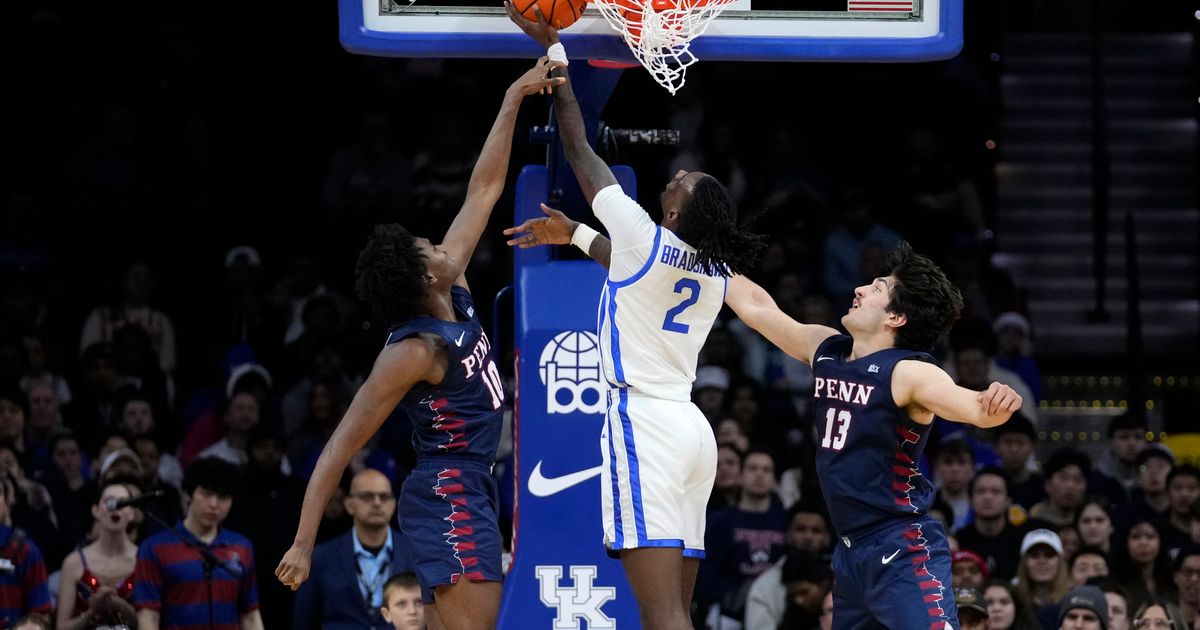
{"x": 748, "y": 30}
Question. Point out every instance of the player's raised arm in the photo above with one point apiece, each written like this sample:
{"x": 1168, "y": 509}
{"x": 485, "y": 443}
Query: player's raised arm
{"x": 557, "y": 228}
{"x": 758, "y": 310}
{"x": 487, "y": 178}
{"x": 591, "y": 171}
{"x": 398, "y": 368}
{"x": 926, "y": 385}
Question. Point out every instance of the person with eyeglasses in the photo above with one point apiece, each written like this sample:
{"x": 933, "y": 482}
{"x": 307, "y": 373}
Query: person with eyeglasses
{"x": 345, "y": 590}
{"x": 1187, "y": 580}
{"x": 1159, "y": 615}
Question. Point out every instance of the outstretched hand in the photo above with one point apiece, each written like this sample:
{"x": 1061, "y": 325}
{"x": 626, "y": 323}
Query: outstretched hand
{"x": 553, "y": 229}
{"x": 540, "y": 30}
{"x": 537, "y": 79}
{"x": 999, "y": 400}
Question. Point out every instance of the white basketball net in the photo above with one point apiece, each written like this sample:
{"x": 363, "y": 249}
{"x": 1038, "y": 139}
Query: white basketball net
{"x": 660, "y": 32}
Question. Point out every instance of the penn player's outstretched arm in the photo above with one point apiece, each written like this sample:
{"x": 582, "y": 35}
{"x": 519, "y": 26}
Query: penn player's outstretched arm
{"x": 757, "y": 308}
{"x": 487, "y": 178}
{"x": 931, "y": 388}
{"x": 591, "y": 171}
{"x": 397, "y": 369}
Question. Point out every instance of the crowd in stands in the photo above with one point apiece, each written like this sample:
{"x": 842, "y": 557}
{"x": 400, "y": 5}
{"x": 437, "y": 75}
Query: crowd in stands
{"x": 177, "y": 331}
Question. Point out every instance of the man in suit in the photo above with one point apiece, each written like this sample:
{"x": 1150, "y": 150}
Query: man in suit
{"x": 345, "y": 590}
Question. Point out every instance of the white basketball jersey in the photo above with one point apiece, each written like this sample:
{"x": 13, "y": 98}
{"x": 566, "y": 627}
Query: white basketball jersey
{"x": 657, "y": 307}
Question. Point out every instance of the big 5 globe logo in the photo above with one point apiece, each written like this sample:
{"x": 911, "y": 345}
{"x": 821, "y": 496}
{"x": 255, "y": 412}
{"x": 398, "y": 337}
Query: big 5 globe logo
{"x": 570, "y": 369}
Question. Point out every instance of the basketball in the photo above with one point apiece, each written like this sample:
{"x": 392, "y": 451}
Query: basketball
{"x": 559, "y": 13}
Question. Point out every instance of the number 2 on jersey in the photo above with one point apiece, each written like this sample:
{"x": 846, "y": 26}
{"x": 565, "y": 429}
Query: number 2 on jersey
{"x": 836, "y": 420}
{"x": 692, "y": 286}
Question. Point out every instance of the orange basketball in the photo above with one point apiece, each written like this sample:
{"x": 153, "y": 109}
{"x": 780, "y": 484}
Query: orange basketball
{"x": 559, "y": 13}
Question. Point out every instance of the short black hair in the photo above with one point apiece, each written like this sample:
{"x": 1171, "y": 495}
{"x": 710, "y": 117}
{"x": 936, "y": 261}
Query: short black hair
{"x": 1127, "y": 422}
{"x": 990, "y": 470}
{"x": 1086, "y": 550}
{"x": 803, "y": 566}
{"x": 955, "y": 447}
{"x": 1187, "y": 551}
{"x": 762, "y": 450}
{"x": 213, "y": 474}
{"x": 1183, "y": 469}
{"x": 390, "y": 275}
{"x": 709, "y": 223}
{"x": 1064, "y": 457}
{"x": 809, "y": 506}
{"x": 61, "y": 436}
{"x": 17, "y": 396}
{"x": 1018, "y": 424}
{"x": 924, "y": 295}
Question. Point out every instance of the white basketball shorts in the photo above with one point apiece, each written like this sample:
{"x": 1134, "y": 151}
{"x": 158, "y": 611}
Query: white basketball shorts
{"x": 660, "y": 463}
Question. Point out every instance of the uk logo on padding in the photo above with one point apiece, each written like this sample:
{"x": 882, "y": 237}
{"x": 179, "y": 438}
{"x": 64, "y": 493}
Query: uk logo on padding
{"x": 579, "y": 602}
{"x": 570, "y": 369}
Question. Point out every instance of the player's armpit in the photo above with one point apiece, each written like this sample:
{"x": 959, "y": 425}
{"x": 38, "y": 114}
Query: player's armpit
{"x": 926, "y": 385}
{"x": 758, "y": 310}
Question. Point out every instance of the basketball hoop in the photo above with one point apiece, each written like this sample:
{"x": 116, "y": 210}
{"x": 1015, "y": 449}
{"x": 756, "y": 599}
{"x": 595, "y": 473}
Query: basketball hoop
{"x": 660, "y": 32}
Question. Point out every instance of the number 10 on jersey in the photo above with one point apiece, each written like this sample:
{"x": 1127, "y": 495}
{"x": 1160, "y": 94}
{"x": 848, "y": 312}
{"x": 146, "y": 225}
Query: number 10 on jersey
{"x": 837, "y": 425}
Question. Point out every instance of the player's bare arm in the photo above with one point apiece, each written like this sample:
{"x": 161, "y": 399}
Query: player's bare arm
{"x": 397, "y": 369}
{"x": 556, "y": 228}
{"x": 927, "y": 387}
{"x": 487, "y": 178}
{"x": 757, "y": 308}
{"x": 591, "y": 171}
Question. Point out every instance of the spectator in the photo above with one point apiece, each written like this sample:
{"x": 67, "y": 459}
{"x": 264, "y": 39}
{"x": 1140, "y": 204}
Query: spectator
{"x": 241, "y": 416}
{"x": 1118, "y": 604}
{"x": 327, "y": 401}
{"x": 92, "y": 412}
{"x": 1070, "y": 539}
{"x": 991, "y": 534}
{"x": 1005, "y": 607}
{"x": 1159, "y": 614}
{"x": 1087, "y": 563}
{"x": 72, "y": 503}
{"x": 209, "y": 426}
{"x": 1015, "y": 442}
{"x": 199, "y": 562}
{"x": 97, "y": 580}
{"x": 33, "y": 508}
{"x": 1126, "y": 439}
{"x": 808, "y": 533}
{"x": 1141, "y": 563}
{"x": 23, "y": 587}
{"x": 954, "y": 467}
{"x": 302, "y": 284}
{"x": 1187, "y": 582}
{"x": 132, "y": 306}
{"x": 972, "y": 612}
{"x": 242, "y": 314}
{"x": 975, "y": 369}
{"x": 1183, "y": 489}
{"x": 968, "y": 569}
{"x": 743, "y": 540}
{"x": 727, "y": 488}
{"x": 1014, "y": 350}
{"x": 1095, "y": 526}
{"x": 403, "y": 606}
{"x": 335, "y": 598}
{"x": 1042, "y": 578}
{"x": 846, "y": 244}
{"x": 45, "y": 419}
{"x": 1067, "y": 471}
{"x": 136, "y": 417}
{"x": 806, "y": 579}
{"x": 14, "y": 416}
{"x": 709, "y": 389}
{"x": 166, "y": 502}
{"x": 1149, "y": 498}
{"x": 1084, "y": 608}
{"x": 37, "y": 368}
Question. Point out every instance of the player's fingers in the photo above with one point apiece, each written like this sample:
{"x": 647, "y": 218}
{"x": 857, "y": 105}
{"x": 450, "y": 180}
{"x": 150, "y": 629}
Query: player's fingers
{"x": 551, "y": 212}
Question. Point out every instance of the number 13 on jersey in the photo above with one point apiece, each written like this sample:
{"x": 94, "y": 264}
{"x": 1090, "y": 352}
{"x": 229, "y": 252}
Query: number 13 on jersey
{"x": 837, "y": 425}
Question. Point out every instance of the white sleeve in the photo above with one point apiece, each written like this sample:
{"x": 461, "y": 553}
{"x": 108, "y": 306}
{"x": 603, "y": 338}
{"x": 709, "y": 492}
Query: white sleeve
{"x": 629, "y": 228}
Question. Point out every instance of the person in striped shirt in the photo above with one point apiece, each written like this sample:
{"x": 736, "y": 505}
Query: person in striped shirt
{"x": 23, "y": 587}
{"x": 175, "y": 585}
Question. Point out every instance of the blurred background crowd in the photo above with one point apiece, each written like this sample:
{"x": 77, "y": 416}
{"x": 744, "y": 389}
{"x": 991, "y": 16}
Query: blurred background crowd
{"x": 183, "y": 193}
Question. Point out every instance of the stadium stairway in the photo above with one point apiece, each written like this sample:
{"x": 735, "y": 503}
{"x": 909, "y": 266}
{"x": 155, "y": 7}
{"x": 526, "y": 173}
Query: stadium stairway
{"x": 1044, "y": 187}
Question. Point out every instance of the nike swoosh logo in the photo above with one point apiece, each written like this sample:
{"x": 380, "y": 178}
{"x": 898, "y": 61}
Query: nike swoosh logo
{"x": 887, "y": 559}
{"x": 820, "y": 359}
{"x": 458, "y": 342}
{"x": 540, "y": 486}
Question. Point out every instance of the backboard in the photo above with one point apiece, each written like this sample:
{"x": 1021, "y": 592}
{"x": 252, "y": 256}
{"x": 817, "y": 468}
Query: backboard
{"x": 748, "y": 30}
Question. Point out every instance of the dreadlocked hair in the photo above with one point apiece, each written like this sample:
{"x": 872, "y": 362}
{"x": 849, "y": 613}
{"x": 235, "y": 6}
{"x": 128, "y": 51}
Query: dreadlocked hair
{"x": 924, "y": 295}
{"x": 709, "y": 223}
{"x": 390, "y": 275}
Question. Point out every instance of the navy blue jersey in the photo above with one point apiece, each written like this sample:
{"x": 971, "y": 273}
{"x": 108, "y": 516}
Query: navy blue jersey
{"x": 461, "y": 415}
{"x": 868, "y": 447}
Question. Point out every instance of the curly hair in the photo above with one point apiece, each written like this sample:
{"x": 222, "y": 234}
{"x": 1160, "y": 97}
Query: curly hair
{"x": 709, "y": 223}
{"x": 390, "y": 274}
{"x": 924, "y": 295}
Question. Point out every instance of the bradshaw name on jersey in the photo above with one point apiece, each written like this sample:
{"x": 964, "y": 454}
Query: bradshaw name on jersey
{"x": 657, "y": 307}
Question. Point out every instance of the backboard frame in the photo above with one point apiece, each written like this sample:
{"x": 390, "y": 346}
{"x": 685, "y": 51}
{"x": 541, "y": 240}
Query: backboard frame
{"x": 933, "y": 31}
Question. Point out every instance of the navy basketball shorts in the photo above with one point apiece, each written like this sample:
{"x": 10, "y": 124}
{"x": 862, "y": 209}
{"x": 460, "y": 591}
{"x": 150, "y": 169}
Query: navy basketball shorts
{"x": 448, "y": 512}
{"x": 897, "y": 577}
